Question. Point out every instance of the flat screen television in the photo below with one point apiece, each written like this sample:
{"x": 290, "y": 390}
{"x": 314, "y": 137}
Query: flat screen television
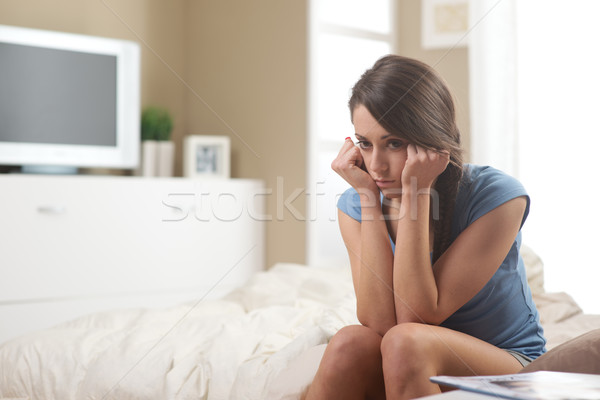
{"x": 68, "y": 100}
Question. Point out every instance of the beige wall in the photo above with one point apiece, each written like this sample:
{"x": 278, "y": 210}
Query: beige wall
{"x": 237, "y": 68}
{"x": 247, "y": 68}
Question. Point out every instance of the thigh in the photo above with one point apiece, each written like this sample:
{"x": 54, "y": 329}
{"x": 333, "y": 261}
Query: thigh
{"x": 448, "y": 352}
{"x": 462, "y": 354}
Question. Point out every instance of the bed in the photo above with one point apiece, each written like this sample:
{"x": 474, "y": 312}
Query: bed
{"x": 263, "y": 340}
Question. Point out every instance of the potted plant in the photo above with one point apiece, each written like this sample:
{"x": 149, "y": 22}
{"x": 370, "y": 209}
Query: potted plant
{"x": 157, "y": 148}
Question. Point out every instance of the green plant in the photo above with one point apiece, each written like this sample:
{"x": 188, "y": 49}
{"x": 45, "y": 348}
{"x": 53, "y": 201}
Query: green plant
{"x": 157, "y": 124}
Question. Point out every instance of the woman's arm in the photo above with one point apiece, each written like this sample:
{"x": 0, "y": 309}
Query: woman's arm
{"x": 368, "y": 245}
{"x": 430, "y": 295}
{"x": 415, "y": 287}
{"x": 371, "y": 260}
{"x": 475, "y": 256}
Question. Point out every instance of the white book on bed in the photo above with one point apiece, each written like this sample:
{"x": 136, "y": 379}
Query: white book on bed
{"x": 71, "y": 245}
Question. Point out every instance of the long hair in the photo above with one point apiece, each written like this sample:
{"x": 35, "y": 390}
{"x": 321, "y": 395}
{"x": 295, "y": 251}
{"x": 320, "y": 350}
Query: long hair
{"x": 410, "y": 100}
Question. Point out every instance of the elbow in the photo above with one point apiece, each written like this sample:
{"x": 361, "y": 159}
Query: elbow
{"x": 379, "y": 325}
{"x": 378, "y": 328}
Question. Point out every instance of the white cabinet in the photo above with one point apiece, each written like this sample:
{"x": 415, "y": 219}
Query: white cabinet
{"x": 76, "y": 244}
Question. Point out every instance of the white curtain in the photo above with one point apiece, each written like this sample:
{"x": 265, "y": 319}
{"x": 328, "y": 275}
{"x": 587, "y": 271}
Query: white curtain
{"x": 534, "y": 102}
{"x": 493, "y": 83}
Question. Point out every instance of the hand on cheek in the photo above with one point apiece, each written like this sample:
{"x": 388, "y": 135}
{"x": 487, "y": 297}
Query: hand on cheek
{"x": 349, "y": 164}
{"x": 423, "y": 166}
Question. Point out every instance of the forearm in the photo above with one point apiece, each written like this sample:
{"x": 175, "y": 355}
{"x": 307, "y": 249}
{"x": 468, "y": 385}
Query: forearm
{"x": 375, "y": 297}
{"x": 415, "y": 288}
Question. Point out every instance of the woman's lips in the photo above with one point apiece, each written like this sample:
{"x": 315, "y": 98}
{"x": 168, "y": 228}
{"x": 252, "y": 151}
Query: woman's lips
{"x": 383, "y": 183}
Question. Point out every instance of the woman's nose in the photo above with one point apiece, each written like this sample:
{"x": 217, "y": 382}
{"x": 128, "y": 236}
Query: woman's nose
{"x": 378, "y": 162}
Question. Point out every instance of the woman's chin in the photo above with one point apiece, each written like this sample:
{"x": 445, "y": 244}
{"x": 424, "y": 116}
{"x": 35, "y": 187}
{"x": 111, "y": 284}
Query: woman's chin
{"x": 392, "y": 193}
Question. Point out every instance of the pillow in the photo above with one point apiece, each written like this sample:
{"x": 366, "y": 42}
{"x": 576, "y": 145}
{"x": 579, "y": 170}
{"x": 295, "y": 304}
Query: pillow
{"x": 534, "y": 267}
{"x": 580, "y": 355}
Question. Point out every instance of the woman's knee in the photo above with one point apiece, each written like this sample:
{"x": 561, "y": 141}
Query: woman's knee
{"x": 409, "y": 342}
{"x": 356, "y": 339}
{"x": 408, "y": 360}
{"x": 353, "y": 344}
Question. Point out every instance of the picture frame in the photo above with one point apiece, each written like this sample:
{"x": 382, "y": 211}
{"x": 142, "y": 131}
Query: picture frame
{"x": 444, "y": 23}
{"x": 207, "y": 156}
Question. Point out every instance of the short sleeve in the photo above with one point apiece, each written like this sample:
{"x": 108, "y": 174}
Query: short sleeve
{"x": 349, "y": 204}
{"x": 486, "y": 189}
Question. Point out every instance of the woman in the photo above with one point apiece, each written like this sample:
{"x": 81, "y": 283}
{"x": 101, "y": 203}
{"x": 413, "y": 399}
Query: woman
{"x": 433, "y": 247}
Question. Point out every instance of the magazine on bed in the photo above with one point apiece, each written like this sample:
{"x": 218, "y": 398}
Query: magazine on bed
{"x": 540, "y": 385}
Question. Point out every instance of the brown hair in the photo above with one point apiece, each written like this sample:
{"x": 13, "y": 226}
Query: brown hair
{"x": 410, "y": 100}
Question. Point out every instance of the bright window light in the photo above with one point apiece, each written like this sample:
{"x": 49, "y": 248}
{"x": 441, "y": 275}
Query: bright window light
{"x": 346, "y": 38}
{"x": 559, "y": 137}
{"x": 340, "y": 61}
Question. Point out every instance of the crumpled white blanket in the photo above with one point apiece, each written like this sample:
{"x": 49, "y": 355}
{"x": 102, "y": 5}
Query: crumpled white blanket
{"x": 262, "y": 341}
{"x": 239, "y": 347}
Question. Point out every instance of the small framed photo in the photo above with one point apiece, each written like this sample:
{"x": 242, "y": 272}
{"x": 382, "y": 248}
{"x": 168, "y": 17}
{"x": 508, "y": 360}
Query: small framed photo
{"x": 206, "y": 156}
{"x": 444, "y": 23}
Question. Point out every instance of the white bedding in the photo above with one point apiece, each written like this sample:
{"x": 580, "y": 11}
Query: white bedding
{"x": 238, "y": 347}
{"x": 262, "y": 341}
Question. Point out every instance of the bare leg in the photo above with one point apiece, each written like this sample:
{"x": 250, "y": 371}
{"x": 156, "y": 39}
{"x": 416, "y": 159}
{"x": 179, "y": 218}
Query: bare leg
{"x": 351, "y": 367}
{"x": 414, "y": 352}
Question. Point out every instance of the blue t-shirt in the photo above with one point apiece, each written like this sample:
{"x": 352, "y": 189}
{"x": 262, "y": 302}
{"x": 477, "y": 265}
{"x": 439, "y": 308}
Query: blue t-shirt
{"x": 503, "y": 312}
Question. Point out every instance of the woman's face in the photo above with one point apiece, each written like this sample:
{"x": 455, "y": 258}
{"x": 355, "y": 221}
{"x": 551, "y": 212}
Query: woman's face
{"x": 384, "y": 155}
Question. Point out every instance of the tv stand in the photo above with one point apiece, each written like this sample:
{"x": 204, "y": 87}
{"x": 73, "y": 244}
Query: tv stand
{"x": 72, "y": 245}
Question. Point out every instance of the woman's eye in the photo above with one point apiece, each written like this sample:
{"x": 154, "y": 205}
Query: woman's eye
{"x": 395, "y": 144}
{"x": 364, "y": 145}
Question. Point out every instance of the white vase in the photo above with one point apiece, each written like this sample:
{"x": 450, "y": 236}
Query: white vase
{"x": 148, "y": 165}
{"x": 165, "y": 158}
{"x": 157, "y": 158}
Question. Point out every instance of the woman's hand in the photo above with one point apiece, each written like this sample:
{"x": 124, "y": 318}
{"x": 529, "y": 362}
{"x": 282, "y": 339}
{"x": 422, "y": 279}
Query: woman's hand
{"x": 423, "y": 166}
{"x": 349, "y": 165}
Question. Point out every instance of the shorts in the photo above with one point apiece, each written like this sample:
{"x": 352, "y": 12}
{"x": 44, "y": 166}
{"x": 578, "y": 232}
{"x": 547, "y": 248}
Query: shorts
{"x": 523, "y": 359}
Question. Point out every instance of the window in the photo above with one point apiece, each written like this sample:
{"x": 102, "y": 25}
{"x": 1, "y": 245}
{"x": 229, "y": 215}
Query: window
{"x": 534, "y": 85}
{"x": 559, "y": 138}
{"x": 346, "y": 38}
